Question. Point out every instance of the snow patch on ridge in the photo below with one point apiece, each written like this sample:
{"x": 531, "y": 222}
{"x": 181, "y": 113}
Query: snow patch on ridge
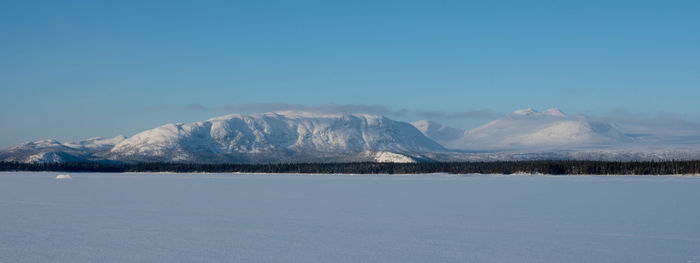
{"x": 390, "y": 157}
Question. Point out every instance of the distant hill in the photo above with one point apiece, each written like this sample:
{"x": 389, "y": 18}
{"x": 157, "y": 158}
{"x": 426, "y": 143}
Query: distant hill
{"x": 529, "y": 129}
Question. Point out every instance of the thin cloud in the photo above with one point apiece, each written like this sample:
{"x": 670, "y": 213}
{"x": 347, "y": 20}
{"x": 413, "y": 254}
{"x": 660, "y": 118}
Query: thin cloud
{"x": 260, "y": 107}
{"x": 196, "y": 107}
{"x": 189, "y": 107}
{"x": 363, "y": 108}
{"x": 374, "y": 109}
{"x": 157, "y": 108}
{"x": 659, "y": 123}
{"x": 327, "y": 108}
{"x": 461, "y": 115}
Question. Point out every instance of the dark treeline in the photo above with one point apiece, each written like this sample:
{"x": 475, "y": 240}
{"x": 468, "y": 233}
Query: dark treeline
{"x": 499, "y": 167}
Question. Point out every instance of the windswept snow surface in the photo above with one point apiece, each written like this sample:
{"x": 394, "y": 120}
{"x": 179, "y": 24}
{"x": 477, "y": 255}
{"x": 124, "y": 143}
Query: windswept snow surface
{"x": 340, "y": 218}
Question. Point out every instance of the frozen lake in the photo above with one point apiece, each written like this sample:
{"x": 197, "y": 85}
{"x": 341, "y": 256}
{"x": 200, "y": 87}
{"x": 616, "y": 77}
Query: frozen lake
{"x": 342, "y": 218}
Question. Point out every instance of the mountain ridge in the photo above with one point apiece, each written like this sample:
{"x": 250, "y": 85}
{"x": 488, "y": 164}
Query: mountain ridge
{"x": 286, "y": 136}
{"x": 298, "y": 136}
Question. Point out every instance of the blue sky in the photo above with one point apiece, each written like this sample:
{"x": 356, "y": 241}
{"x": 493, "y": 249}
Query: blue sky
{"x": 76, "y": 69}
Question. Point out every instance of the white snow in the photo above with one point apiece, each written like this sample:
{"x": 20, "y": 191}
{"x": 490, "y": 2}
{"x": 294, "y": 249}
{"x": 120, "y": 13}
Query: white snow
{"x": 43, "y": 158}
{"x": 64, "y": 176}
{"x": 554, "y": 112}
{"x": 528, "y": 129}
{"x": 47, "y": 151}
{"x": 37, "y": 144}
{"x": 275, "y": 133}
{"x": 390, "y": 157}
{"x": 98, "y": 143}
{"x": 529, "y": 134}
{"x": 337, "y": 218}
{"x": 525, "y": 112}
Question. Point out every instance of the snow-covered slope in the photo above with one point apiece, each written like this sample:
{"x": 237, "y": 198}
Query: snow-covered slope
{"x": 55, "y": 151}
{"x": 390, "y": 157}
{"x": 96, "y": 143}
{"x": 280, "y": 136}
{"x": 438, "y": 132}
{"x": 533, "y": 130}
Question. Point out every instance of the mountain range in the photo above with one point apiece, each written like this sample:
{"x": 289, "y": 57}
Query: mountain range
{"x": 297, "y": 136}
{"x": 269, "y": 137}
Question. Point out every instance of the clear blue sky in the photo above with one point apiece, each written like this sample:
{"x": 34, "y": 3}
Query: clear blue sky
{"x": 76, "y": 69}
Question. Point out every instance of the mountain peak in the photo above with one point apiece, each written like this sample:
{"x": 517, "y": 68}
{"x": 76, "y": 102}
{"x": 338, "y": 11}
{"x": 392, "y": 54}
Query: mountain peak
{"x": 528, "y": 129}
{"x": 438, "y": 132}
{"x": 41, "y": 143}
{"x": 525, "y": 112}
{"x": 424, "y": 125}
{"x": 554, "y": 112}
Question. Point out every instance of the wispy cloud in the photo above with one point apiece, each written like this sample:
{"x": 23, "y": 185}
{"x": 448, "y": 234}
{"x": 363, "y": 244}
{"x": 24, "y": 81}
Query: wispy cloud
{"x": 330, "y": 108}
{"x": 196, "y": 107}
{"x": 459, "y": 115}
{"x": 336, "y": 108}
{"x": 660, "y": 123}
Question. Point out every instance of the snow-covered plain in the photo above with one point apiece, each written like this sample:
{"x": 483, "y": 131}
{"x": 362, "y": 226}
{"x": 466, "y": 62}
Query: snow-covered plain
{"x": 342, "y": 218}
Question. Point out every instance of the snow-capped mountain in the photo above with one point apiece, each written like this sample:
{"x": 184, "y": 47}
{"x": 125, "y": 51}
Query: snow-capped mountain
{"x": 288, "y": 136}
{"x": 96, "y": 143}
{"x": 438, "y": 132}
{"x": 285, "y": 136}
{"x": 55, "y": 151}
{"x": 534, "y": 130}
